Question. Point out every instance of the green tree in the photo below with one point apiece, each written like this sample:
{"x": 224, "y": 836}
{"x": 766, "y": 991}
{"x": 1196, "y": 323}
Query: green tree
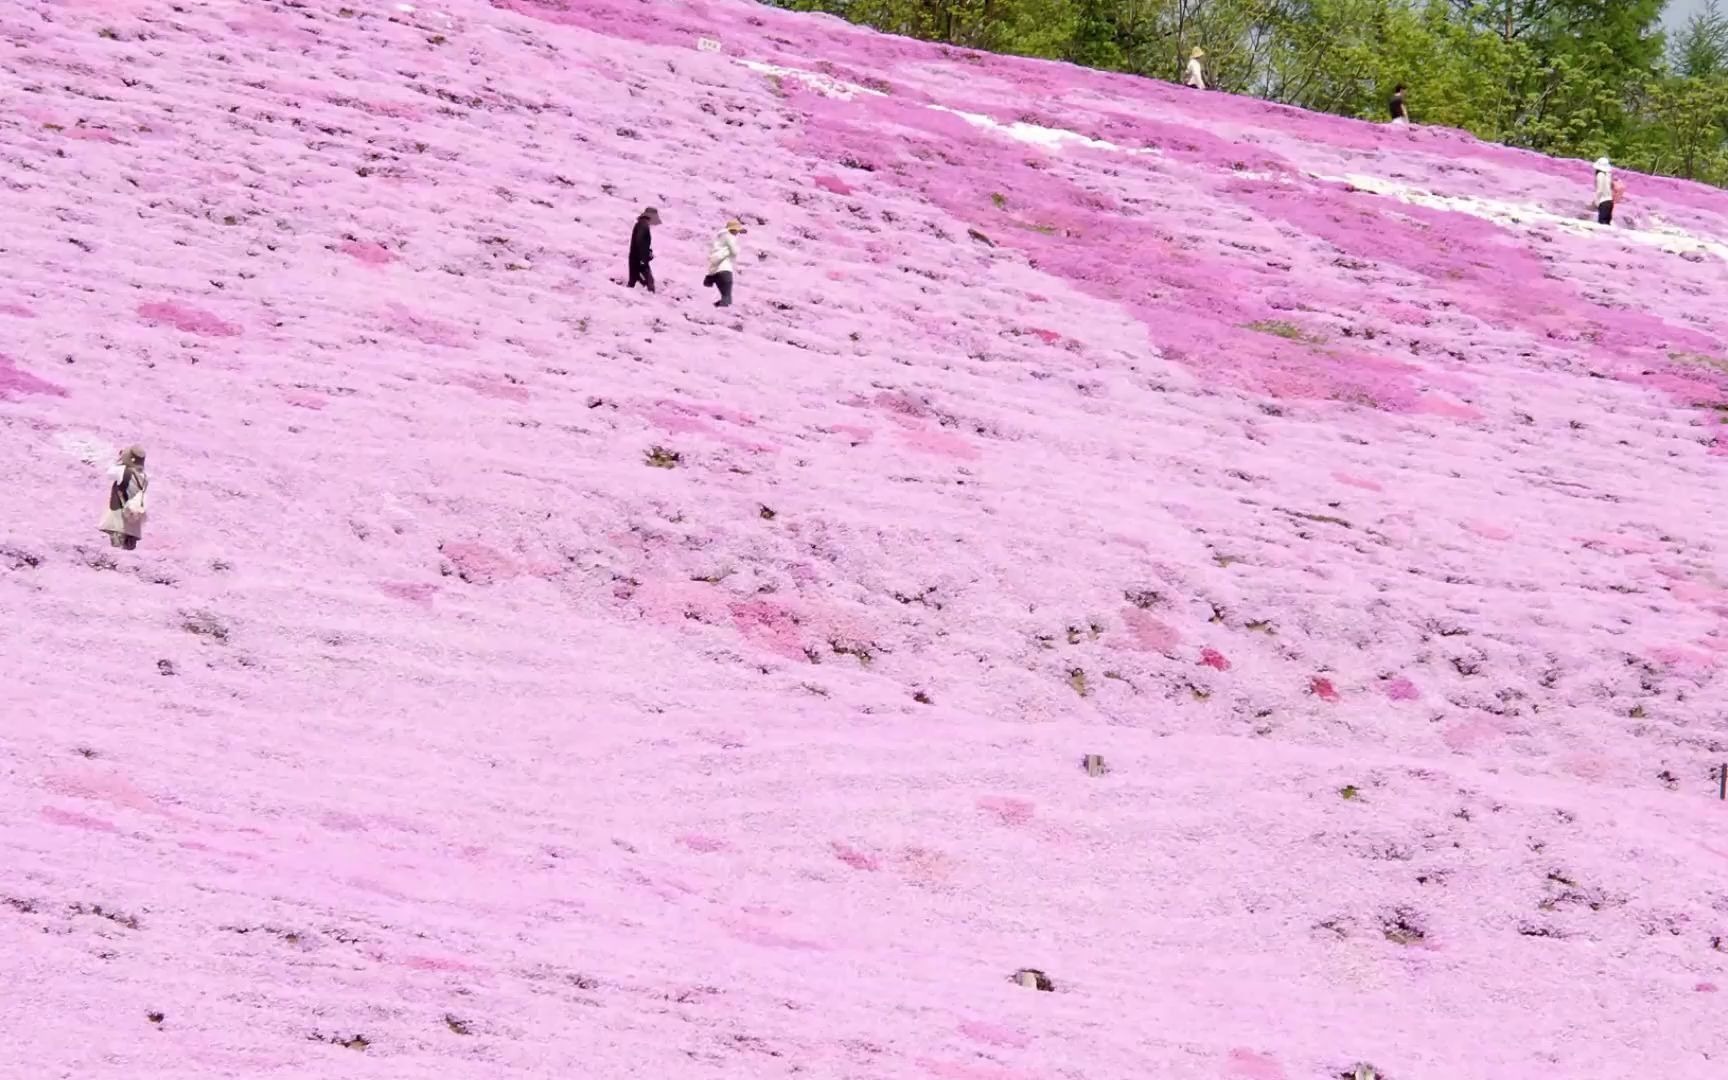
{"x": 1691, "y": 128}
{"x": 1096, "y": 40}
{"x": 1700, "y": 50}
{"x": 1683, "y": 115}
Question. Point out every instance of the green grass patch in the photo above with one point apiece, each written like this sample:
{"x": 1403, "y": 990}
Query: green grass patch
{"x": 860, "y": 652}
{"x": 1284, "y": 329}
{"x": 1719, "y": 363}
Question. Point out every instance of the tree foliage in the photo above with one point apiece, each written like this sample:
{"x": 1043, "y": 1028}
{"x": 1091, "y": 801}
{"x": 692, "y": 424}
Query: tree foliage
{"x": 1568, "y": 77}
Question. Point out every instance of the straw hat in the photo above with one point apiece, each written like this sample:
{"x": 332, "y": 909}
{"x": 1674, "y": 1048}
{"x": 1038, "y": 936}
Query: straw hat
{"x": 651, "y": 215}
{"x": 1197, "y": 53}
{"x": 735, "y": 226}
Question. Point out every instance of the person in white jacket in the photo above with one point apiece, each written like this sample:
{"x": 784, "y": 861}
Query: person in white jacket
{"x": 1604, "y": 192}
{"x": 721, "y": 259}
{"x": 124, "y": 521}
{"x": 1196, "y": 74}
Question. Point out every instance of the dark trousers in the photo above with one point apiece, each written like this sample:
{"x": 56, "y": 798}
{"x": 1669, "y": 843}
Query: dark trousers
{"x": 723, "y": 282}
{"x": 640, "y": 272}
{"x": 1605, "y": 213}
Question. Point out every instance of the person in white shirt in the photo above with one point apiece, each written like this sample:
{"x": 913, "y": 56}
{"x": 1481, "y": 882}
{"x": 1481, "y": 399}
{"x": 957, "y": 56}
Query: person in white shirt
{"x": 721, "y": 259}
{"x": 124, "y": 521}
{"x": 1196, "y": 74}
{"x": 1604, "y": 192}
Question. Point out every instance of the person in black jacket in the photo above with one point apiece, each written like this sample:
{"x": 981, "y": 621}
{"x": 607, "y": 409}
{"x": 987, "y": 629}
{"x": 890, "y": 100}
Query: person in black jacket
{"x": 642, "y": 249}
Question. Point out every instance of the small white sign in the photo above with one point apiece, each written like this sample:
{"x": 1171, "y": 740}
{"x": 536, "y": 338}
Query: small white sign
{"x": 707, "y": 44}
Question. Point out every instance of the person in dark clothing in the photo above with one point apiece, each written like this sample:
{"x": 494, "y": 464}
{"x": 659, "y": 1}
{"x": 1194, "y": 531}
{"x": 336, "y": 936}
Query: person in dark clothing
{"x": 642, "y": 249}
{"x": 1396, "y": 105}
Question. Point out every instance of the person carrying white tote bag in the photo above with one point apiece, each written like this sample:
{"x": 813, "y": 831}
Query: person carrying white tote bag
{"x": 128, "y": 500}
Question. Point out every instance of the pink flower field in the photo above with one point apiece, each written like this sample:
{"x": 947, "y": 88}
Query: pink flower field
{"x": 521, "y": 676}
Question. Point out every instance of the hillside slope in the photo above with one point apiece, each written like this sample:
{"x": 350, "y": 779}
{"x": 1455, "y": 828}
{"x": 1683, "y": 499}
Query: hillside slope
{"x": 1356, "y": 499}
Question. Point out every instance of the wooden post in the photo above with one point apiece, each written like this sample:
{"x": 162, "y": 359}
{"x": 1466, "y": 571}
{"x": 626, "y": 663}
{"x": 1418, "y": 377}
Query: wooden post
{"x": 1094, "y": 765}
{"x": 1722, "y": 775}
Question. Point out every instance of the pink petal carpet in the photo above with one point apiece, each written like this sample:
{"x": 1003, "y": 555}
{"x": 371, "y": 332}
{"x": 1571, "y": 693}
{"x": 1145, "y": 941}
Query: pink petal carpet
{"x": 523, "y": 677}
